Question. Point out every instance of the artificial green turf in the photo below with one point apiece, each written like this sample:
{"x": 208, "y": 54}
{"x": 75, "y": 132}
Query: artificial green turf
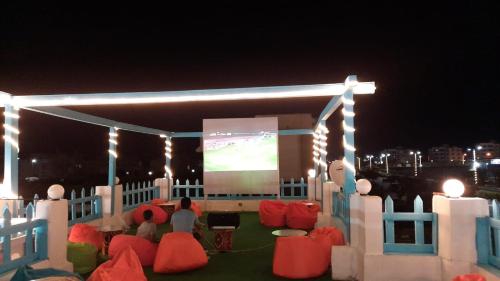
{"x": 251, "y": 259}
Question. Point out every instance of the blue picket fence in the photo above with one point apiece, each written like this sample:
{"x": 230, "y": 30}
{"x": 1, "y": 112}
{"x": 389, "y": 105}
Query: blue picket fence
{"x": 85, "y": 208}
{"x": 137, "y": 194}
{"x": 35, "y": 235}
{"x": 418, "y": 217}
{"x": 488, "y": 237}
{"x": 288, "y": 190}
{"x": 340, "y": 210}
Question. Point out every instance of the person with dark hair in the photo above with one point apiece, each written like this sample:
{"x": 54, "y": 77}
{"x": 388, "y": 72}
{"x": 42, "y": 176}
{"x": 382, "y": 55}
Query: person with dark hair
{"x": 186, "y": 220}
{"x": 147, "y": 229}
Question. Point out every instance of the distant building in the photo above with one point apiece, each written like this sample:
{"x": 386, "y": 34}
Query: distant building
{"x": 488, "y": 151}
{"x": 399, "y": 156}
{"x": 446, "y": 154}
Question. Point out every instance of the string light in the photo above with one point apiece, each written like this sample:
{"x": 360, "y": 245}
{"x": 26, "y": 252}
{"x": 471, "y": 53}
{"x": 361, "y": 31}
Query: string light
{"x": 347, "y": 145}
{"x": 113, "y": 141}
{"x": 347, "y": 101}
{"x": 322, "y": 137}
{"x": 113, "y": 134}
{"x": 13, "y": 142}
{"x": 347, "y": 128}
{"x": 348, "y": 165}
{"x": 168, "y": 148}
{"x": 168, "y": 155}
{"x": 315, "y": 153}
{"x": 11, "y": 129}
{"x": 322, "y": 143}
{"x": 168, "y": 142}
{"x": 11, "y": 115}
{"x": 316, "y": 136}
{"x": 348, "y": 113}
{"x": 113, "y": 152}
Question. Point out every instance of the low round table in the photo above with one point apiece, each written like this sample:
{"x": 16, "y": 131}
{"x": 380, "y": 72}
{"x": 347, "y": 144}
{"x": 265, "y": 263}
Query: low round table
{"x": 109, "y": 231}
{"x": 168, "y": 207}
{"x": 289, "y": 232}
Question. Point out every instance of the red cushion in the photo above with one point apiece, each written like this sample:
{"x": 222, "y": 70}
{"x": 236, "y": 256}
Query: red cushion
{"x": 124, "y": 266}
{"x": 194, "y": 207}
{"x": 300, "y": 216}
{"x": 159, "y": 216}
{"x": 84, "y": 233}
{"x": 272, "y": 213}
{"x": 470, "y": 277}
{"x": 145, "y": 249}
{"x": 178, "y": 252}
{"x": 335, "y": 236}
{"x": 300, "y": 257}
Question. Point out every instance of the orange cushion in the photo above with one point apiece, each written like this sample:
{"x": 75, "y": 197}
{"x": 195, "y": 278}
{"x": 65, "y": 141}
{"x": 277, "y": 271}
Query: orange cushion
{"x": 84, "y": 233}
{"x": 159, "y": 216}
{"x": 470, "y": 277}
{"x": 300, "y": 216}
{"x": 335, "y": 236}
{"x": 272, "y": 213}
{"x": 194, "y": 207}
{"x": 158, "y": 201}
{"x": 178, "y": 252}
{"x": 300, "y": 257}
{"x": 124, "y": 266}
{"x": 145, "y": 249}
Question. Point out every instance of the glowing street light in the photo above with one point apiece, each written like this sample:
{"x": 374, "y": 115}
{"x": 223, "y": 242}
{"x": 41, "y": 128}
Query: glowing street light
{"x": 370, "y": 159}
{"x": 386, "y": 162}
{"x": 475, "y": 164}
{"x": 415, "y": 154}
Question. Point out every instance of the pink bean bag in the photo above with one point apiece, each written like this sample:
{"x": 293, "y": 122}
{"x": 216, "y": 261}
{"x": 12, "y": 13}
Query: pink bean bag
{"x": 194, "y": 207}
{"x": 84, "y": 233}
{"x": 178, "y": 252}
{"x": 159, "y": 215}
{"x": 300, "y": 216}
{"x": 300, "y": 257}
{"x": 125, "y": 266}
{"x": 470, "y": 277}
{"x": 272, "y": 213}
{"x": 145, "y": 249}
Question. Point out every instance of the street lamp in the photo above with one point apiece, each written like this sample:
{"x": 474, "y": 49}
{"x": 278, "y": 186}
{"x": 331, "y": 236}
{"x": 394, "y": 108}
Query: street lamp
{"x": 359, "y": 163}
{"x": 420, "y": 161}
{"x": 370, "y": 159}
{"x": 386, "y": 162}
{"x": 415, "y": 153}
{"x": 475, "y": 164}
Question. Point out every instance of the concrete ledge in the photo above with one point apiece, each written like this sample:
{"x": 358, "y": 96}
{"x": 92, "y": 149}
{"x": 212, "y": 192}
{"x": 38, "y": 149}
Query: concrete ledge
{"x": 402, "y": 268}
{"x": 489, "y": 272}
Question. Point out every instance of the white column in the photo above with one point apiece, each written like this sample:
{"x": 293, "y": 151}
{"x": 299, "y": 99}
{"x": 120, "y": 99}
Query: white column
{"x": 457, "y": 232}
{"x": 108, "y": 217}
{"x": 367, "y": 231}
{"x": 310, "y": 188}
{"x": 164, "y": 184}
{"x": 56, "y": 214}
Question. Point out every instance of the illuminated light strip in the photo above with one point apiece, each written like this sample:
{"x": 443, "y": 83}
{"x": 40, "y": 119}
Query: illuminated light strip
{"x": 169, "y": 143}
{"x": 316, "y": 136}
{"x": 323, "y": 163}
{"x": 349, "y": 165}
{"x": 113, "y": 134}
{"x": 322, "y": 143}
{"x": 347, "y": 128}
{"x": 168, "y": 149}
{"x": 168, "y": 155}
{"x": 163, "y": 136}
{"x": 348, "y": 146}
{"x": 11, "y": 141}
{"x": 347, "y": 101}
{"x": 322, "y": 137}
{"x": 315, "y": 148}
{"x": 348, "y": 113}
{"x": 315, "y": 160}
{"x": 113, "y": 141}
{"x": 11, "y": 129}
{"x": 322, "y": 151}
{"x": 323, "y": 128}
{"x": 315, "y": 141}
{"x": 112, "y": 152}
{"x": 315, "y": 153}
{"x": 11, "y": 115}
{"x": 168, "y": 171}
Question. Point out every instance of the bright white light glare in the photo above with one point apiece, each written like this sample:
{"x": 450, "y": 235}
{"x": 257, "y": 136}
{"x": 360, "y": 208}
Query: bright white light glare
{"x": 322, "y": 137}
{"x": 168, "y": 149}
{"x": 348, "y": 165}
{"x": 315, "y": 148}
{"x": 113, "y": 141}
{"x": 11, "y": 129}
{"x": 163, "y": 136}
{"x": 168, "y": 171}
{"x": 364, "y": 88}
{"x": 150, "y": 173}
{"x": 168, "y": 155}
{"x": 33, "y": 160}
{"x": 192, "y": 170}
{"x": 316, "y": 136}
{"x": 322, "y": 143}
{"x": 169, "y": 143}
{"x": 347, "y": 101}
{"x": 347, "y": 145}
{"x": 116, "y": 128}
{"x": 453, "y": 188}
{"x": 322, "y": 151}
{"x": 479, "y": 147}
{"x": 311, "y": 173}
{"x": 11, "y": 115}
{"x": 11, "y": 141}
{"x": 347, "y": 128}
{"x": 315, "y": 141}
{"x": 476, "y": 165}
{"x": 112, "y": 152}
{"x": 315, "y": 153}
{"x": 348, "y": 113}
{"x": 323, "y": 128}
{"x": 113, "y": 134}
{"x": 322, "y": 163}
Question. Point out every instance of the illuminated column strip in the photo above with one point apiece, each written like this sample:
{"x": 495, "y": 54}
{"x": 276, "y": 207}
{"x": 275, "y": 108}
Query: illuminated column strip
{"x": 348, "y": 138}
{"x": 11, "y": 150}
{"x": 322, "y": 150}
{"x": 168, "y": 156}
{"x": 113, "y": 154}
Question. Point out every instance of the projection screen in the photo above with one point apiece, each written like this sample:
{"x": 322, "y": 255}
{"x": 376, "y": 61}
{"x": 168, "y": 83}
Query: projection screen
{"x": 240, "y": 156}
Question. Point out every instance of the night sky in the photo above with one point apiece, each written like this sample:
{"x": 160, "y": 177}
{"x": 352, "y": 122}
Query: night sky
{"x": 436, "y": 67}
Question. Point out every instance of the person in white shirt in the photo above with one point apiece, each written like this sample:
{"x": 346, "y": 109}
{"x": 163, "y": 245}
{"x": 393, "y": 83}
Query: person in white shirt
{"x": 147, "y": 229}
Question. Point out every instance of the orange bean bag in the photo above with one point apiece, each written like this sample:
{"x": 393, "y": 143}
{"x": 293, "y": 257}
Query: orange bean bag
{"x": 470, "y": 277}
{"x": 194, "y": 207}
{"x": 178, "y": 252}
{"x": 300, "y": 257}
{"x": 300, "y": 216}
{"x": 159, "y": 216}
{"x": 145, "y": 249}
{"x": 158, "y": 201}
{"x": 272, "y": 213}
{"x": 84, "y": 233}
{"x": 335, "y": 236}
{"x": 124, "y": 266}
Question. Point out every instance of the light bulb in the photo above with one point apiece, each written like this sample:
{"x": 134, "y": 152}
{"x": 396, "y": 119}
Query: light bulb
{"x": 453, "y": 188}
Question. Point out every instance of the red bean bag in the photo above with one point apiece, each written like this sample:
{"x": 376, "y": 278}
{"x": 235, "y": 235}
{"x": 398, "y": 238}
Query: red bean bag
{"x": 470, "y": 277}
{"x": 194, "y": 207}
{"x": 335, "y": 236}
{"x": 158, "y": 201}
{"x": 145, "y": 249}
{"x": 84, "y": 233}
{"x": 300, "y": 216}
{"x": 124, "y": 266}
{"x": 300, "y": 257}
{"x": 272, "y": 213}
{"x": 178, "y": 252}
{"x": 159, "y": 215}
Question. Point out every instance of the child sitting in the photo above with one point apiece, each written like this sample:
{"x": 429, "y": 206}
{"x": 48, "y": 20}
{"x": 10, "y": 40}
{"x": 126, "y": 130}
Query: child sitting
{"x": 147, "y": 229}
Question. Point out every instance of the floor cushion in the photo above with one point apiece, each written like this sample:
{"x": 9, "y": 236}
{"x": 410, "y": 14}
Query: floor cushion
{"x": 272, "y": 213}
{"x": 84, "y": 233}
{"x": 300, "y": 257}
{"x": 159, "y": 215}
{"x": 470, "y": 277}
{"x": 178, "y": 252}
{"x": 335, "y": 236}
{"x": 125, "y": 266}
{"x": 145, "y": 249}
{"x": 194, "y": 207}
{"x": 300, "y": 216}
{"x": 158, "y": 201}
{"x": 83, "y": 256}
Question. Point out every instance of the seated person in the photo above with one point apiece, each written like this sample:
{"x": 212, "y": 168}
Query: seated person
{"x": 147, "y": 229}
{"x": 186, "y": 220}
